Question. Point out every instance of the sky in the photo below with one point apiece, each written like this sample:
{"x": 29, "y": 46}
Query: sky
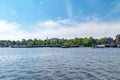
{"x": 40, "y": 19}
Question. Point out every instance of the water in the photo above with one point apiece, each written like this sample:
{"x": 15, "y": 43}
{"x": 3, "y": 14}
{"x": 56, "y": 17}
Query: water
{"x": 59, "y": 64}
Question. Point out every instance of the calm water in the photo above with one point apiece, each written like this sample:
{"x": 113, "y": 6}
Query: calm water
{"x": 59, "y": 64}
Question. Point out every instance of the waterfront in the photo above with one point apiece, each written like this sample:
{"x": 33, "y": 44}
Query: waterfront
{"x": 59, "y": 64}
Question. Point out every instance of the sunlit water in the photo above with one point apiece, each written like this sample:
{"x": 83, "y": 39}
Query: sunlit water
{"x": 59, "y": 64}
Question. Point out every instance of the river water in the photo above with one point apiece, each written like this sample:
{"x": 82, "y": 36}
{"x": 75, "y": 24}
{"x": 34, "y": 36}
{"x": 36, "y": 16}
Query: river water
{"x": 59, "y": 64}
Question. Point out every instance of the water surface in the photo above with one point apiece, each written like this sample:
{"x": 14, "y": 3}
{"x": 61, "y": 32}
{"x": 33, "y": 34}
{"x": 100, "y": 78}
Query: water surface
{"x": 59, "y": 64}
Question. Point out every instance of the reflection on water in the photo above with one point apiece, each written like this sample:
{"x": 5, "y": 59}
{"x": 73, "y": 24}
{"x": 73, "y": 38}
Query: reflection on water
{"x": 59, "y": 64}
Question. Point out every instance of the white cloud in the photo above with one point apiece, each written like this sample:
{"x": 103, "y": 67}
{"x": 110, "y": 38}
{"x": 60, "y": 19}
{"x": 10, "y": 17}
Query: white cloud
{"x": 69, "y": 9}
{"x": 75, "y": 29}
{"x": 10, "y": 31}
{"x": 59, "y": 29}
{"x": 49, "y": 23}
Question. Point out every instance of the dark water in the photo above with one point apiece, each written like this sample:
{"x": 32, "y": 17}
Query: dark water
{"x": 59, "y": 64}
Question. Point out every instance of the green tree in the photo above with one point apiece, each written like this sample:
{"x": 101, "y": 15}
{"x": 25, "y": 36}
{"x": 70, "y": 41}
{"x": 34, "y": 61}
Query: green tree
{"x": 24, "y": 42}
{"x": 60, "y": 42}
{"x": 40, "y": 42}
{"x": 87, "y": 41}
{"x": 101, "y": 41}
{"x": 54, "y": 41}
{"x": 7, "y": 43}
{"x": 18, "y": 42}
{"x": 66, "y": 44}
{"x": 35, "y": 42}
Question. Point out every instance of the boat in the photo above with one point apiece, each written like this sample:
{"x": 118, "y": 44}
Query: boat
{"x": 99, "y": 46}
{"x": 65, "y": 46}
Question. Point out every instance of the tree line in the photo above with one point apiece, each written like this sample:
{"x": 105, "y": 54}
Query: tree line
{"x": 85, "y": 42}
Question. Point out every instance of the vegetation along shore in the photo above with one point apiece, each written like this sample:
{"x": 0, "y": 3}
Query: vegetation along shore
{"x": 64, "y": 43}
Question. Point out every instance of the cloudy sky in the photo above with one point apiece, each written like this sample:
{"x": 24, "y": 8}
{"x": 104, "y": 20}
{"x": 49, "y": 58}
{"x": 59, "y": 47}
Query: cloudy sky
{"x": 59, "y": 18}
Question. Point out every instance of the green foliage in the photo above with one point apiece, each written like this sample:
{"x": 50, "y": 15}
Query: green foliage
{"x": 101, "y": 41}
{"x": 66, "y": 44}
{"x": 58, "y": 42}
{"x": 18, "y": 42}
{"x": 23, "y": 42}
{"x": 7, "y": 43}
{"x": 37, "y": 42}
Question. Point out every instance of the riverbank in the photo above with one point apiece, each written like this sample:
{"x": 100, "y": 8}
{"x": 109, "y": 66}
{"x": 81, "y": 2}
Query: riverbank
{"x": 72, "y": 46}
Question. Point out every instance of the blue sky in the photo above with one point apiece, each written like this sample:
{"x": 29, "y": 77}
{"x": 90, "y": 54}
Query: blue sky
{"x": 59, "y": 18}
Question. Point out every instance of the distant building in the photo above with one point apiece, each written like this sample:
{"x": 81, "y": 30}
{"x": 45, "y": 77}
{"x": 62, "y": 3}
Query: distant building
{"x": 110, "y": 40}
{"x": 30, "y": 40}
{"x": 117, "y": 40}
{"x": 2, "y": 43}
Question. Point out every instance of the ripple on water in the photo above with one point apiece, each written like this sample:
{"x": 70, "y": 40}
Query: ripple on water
{"x": 67, "y": 64}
